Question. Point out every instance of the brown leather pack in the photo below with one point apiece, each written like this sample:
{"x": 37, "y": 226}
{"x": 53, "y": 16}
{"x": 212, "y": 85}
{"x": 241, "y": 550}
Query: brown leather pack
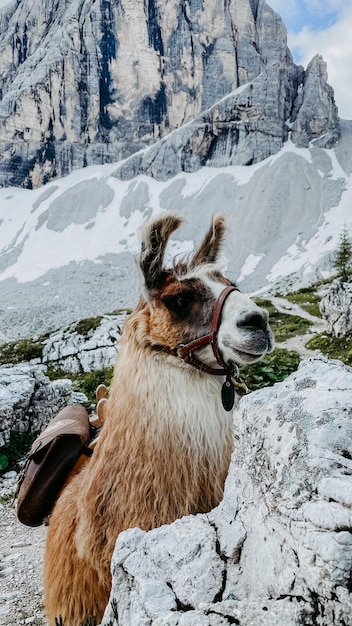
{"x": 49, "y": 462}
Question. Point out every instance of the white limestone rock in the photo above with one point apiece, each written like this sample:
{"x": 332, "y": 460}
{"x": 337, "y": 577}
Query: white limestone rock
{"x": 336, "y": 308}
{"x": 315, "y": 114}
{"x": 278, "y": 549}
{"x": 248, "y": 125}
{"x": 245, "y": 127}
{"x": 73, "y": 350}
{"x": 29, "y": 400}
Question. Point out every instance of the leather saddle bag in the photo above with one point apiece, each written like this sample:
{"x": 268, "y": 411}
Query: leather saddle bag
{"x": 49, "y": 462}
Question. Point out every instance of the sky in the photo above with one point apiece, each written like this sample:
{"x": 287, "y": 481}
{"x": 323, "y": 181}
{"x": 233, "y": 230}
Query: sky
{"x": 322, "y": 27}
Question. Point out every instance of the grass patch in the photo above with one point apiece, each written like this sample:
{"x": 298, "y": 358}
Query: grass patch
{"x": 85, "y": 326}
{"x": 266, "y": 304}
{"x": 20, "y": 351}
{"x": 287, "y": 326}
{"x": 273, "y": 368}
{"x": 333, "y": 347}
{"x": 306, "y": 298}
{"x": 284, "y": 326}
{"x": 6, "y": 499}
{"x": 85, "y": 382}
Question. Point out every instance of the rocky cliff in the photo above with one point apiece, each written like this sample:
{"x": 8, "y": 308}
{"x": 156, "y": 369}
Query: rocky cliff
{"x": 87, "y": 82}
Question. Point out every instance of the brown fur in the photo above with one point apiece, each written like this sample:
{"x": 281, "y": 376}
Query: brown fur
{"x": 155, "y": 460}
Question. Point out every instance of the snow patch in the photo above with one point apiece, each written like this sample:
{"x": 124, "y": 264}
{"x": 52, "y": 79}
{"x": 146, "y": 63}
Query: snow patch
{"x": 266, "y": 242}
{"x": 249, "y": 266}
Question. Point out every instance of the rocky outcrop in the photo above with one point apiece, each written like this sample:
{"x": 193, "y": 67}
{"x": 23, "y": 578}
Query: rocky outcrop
{"x": 93, "y": 82}
{"x": 78, "y": 348}
{"x": 278, "y": 549}
{"x": 29, "y": 400}
{"x": 247, "y": 126}
{"x": 336, "y": 308}
{"x": 315, "y": 113}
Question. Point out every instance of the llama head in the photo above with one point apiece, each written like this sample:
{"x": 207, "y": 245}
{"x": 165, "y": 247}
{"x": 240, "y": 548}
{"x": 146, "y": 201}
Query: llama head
{"x": 181, "y": 300}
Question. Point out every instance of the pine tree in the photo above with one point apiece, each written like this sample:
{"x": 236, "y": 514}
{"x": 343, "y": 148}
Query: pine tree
{"x": 342, "y": 261}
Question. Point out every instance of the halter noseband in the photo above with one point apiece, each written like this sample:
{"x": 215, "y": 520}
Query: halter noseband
{"x": 184, "y": 351}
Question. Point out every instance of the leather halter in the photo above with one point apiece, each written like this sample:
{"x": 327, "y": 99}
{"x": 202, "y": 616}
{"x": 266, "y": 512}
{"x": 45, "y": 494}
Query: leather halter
{"x": 184, "y": 351}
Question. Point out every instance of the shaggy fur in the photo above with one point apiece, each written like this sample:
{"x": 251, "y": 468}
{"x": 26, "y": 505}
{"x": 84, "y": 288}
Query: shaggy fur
{"x": 166, "y": 443}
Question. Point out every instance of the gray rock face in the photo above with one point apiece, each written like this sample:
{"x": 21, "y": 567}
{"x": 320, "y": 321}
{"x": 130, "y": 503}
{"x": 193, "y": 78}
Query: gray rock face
{"x": 336, "y": 308}
{"x": 29, "y": 400}
{"x": 243, "y": 128}
{"x": 317, "y": 114}
{"x": 278, "y": 549}
{"x": 86, "y": 82}
{"x": 72, "y": 351}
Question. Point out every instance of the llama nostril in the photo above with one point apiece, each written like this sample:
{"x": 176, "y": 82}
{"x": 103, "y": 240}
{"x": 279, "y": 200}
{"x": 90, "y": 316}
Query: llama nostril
{"x": 252, "y": 321}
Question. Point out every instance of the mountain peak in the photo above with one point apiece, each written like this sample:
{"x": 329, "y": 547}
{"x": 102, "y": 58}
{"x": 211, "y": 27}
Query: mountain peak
{"x": 85, "y": 83}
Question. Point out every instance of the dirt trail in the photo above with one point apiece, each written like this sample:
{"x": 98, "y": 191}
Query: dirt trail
{"x": 298, "y": 343}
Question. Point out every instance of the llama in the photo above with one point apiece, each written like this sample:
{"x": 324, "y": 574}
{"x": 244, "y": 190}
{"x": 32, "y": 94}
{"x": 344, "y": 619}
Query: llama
{"x": 165, "y": 447}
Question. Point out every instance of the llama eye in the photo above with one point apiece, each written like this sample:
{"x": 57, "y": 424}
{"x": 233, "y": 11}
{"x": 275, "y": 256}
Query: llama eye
{"x": 177, "y": 303}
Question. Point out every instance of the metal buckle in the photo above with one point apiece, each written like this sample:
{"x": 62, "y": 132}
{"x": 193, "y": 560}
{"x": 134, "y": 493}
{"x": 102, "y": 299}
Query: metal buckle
{"x": 238, "y": 381}
{"x": 179, "y": 350}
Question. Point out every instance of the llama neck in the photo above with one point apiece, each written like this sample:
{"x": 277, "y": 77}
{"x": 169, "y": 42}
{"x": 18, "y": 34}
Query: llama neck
{"x": 165, "y": 395}
{"x": 164, "y": 450}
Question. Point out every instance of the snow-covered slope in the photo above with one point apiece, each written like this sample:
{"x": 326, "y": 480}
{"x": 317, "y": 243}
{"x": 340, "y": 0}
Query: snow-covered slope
{"x": 285, "y": 216}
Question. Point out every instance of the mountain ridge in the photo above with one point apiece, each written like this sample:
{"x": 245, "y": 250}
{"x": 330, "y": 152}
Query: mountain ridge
{"x": 88, "y": 82}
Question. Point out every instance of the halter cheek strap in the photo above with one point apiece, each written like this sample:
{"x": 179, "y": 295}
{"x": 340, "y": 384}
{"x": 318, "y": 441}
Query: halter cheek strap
{"x": 185, "y": 351}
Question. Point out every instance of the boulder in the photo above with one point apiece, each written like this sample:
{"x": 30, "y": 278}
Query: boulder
{"x": 336, "y": 308}
{"x": 76, "y": 349}
{"x": 278, "y": 548}
{"x": 29, "y": 400}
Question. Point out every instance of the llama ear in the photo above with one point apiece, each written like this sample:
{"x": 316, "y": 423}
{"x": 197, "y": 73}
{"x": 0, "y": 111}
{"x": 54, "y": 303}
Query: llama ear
{"x": 154, "y": 236}
{"x": 209, "y": 249}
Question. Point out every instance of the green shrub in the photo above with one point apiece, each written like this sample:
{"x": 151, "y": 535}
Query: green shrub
{"x": 20, "y": 351}
{"x": 333, "y": 347}
{"x": 85, "y": 382}
{"x": 273, "y": 368}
